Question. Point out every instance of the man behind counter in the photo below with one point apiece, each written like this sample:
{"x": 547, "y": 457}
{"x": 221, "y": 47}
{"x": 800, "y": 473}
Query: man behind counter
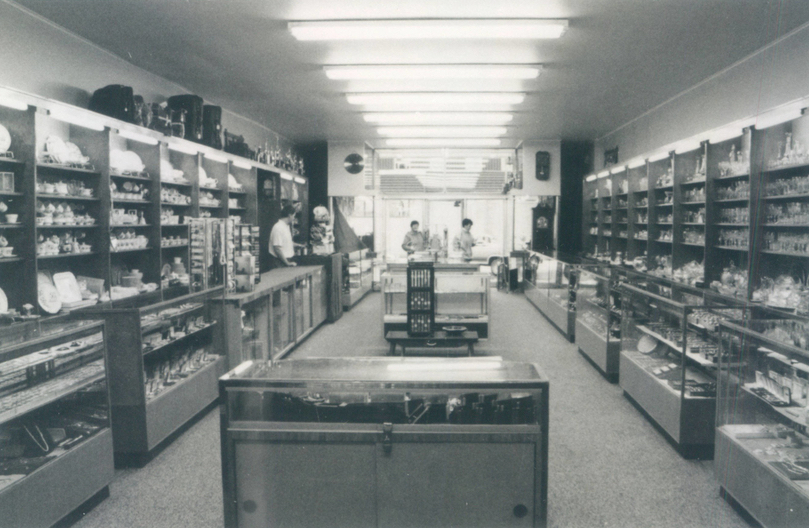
{"x": 414, "y": 239}
{"x": 282, "y": 249}
{"x": 464, "y": 242}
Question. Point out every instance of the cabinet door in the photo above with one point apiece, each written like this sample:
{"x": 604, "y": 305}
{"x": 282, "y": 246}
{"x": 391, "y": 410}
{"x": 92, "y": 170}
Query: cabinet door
{"x": 303, "y": 485}
{"x": 458, "y": 484}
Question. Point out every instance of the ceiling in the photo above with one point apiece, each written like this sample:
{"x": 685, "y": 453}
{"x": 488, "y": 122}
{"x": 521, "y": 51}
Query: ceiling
{"x": 618, "y": 59}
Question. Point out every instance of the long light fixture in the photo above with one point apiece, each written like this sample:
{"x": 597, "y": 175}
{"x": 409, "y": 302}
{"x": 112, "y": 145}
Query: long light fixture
{"x": 75, "y": 118}
{"x": 136, "y": 136}
{"x": 603, "y": 174}
{"x": 215, "y": 157}
{"x": 451, "y": 132}
{"x": 287, "y": 177}
{"x": 435, "y": 99}
{"x": 438, "y": 118}
{"x": 441, "y": 29}
{"x": 591, "y": 178}
{"x": 635, "y": 163}
{"x": 12, "y": 102}
{"x": 434, "y": 71}
{"x": 443, "y": 142}
{"x": 185, "y": 149}
{"x": 242, "y": 164}
{"x": 686, "y": 145}
{"x": 659, "y": 156}
{"x": 778, "y": 116}
{"x": 300, "y": 180}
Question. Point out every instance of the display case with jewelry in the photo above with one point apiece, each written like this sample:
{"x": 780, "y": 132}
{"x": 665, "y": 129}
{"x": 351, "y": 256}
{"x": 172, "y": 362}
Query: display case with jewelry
{"x": 762, "y": 445}
{"x": 669, "y": 356}
{"x": 163, "y": 369}
{"x": 54, "y": 419}
{"x": 550, "y": 285}
{"x": 358, "y": 276}
{"x": 598, "y": 319}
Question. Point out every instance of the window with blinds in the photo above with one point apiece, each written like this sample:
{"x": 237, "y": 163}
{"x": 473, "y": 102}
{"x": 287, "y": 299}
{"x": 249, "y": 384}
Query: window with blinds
{"x": 444, "y": 171}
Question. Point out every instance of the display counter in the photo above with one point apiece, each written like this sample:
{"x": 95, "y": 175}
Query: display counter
{"x": 598, "y": 321}
{"x": 549, "y": 284}
{"x": 268, "y": 322}
{"x": 461, "y": 299}
{"x": 669, "y": 360}
{"x": 358, "y": 279}
{"x": 55, "y": 439}
{"x": 163, "y": 368}
{"x": 762, "y": 446}
{"x": 385, "y": 442}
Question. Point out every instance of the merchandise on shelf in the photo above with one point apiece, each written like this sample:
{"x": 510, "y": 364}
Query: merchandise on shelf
{"x": 126, "y": 162}
{"x": 694, "y": 235}
{"x": 737, "y": 190}
{"x": 64, "y": 243}
{"x": 734, "y": 215}
{"x": 62, "y": 214}
{"x": 790, "y": 213}
{"x": 695, "y": 216}
{"x": 690, "y": 273}
{"x": 783, "y": 292}
{"x": 63, "y": 153}
{"x": 694, "y": 195}
{"x": 208, "y": 199}
{"x": 169, "y": 195}
{"x": 786, "y": 242}
{"x": 738, "y": 163}
{"x": 733, "y": 282}
{"x": 790, "y": 152}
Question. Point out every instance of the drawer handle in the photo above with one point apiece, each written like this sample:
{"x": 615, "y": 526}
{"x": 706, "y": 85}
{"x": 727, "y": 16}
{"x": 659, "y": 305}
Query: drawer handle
{"x": 520, "y": 511}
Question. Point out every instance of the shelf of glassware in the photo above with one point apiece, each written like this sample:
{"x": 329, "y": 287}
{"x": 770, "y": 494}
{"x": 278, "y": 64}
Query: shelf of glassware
{"x": 467, "y": 444}
{"x": 668, "y": 361}
{"x": 597, "y": 334}
{"x": 163, "y": 369}
{"x": 548, "y": 287}
{"x": 762, "y": 446}
{"x": 54, "y": 420}
{"x": 462, "y": 299}
{"x": 360, "y": 277}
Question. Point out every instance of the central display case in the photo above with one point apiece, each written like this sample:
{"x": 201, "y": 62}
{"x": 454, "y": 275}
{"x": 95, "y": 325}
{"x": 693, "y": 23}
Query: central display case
{"x": 385, "y": 442}
{"x": 461, "y": 298}
{"x": 669, "y": 360}
{"x": 762, "y": 446}
{"x": 550, "y": 285}
{"x": 55, "y": 438}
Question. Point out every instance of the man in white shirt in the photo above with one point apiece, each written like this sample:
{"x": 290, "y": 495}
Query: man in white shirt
{"x": 464, "y": 242}
{"x": 282, "y": 249}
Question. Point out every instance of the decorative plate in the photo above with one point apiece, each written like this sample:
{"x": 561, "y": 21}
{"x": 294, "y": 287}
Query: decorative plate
{"x": 454, "y": 329}
{"x": 67, "y": 286}
{"x": 3, "y": 302}
{"x": 5, "y": 139}
{"x": 57, "y": 149}
{"x": 47, "y": 295}
{"x": 74, "y": 154}
{"x": 646, "y": 344}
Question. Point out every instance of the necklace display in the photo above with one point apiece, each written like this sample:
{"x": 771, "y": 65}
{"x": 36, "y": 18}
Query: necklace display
{"x": 44, "y": 445}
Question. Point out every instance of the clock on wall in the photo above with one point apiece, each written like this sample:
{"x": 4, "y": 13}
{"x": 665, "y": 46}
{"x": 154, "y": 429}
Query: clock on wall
{"x": 354, "y": 163}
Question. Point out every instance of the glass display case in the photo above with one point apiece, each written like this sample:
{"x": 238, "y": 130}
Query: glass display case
{"x": 762, "y": 446}
{"x": 412, "y": 442}
{"x": 669, "y": 359}
{"x": 268, "y": 322}
{"x": 359, "y": 277}
{"x": 550, "y": 286}
{"x": 462, "y": 298}
{"x": 54, "y": 420}
{"x": 163, "y": 366}
{"x": 598, "y": 320}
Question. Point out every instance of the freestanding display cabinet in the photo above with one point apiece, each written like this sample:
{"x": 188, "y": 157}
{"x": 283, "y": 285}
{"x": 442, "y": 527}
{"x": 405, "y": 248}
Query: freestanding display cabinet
{"x": 598, "y": 321}
{"x": 550, "y": 286}
{"x": 385, "y": 442}
{"x": 55, "y": 438}
{"x": 762, "y": 447}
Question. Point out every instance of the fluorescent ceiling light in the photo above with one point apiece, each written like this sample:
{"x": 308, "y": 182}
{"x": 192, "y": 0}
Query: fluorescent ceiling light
{"x": 11, "y": 102}
{"x": 438, "y": 118}
{"x": 591, "y": 178}
{"x": 75, "y": 118}
{"x": 300, "y": 180}
{"x": 434, "y": 71}
{"x": 603, "y": 174}
{"x": 452, "y": 132}
{"x": 395, "y": 29}
{"x": 435, "y": 99}
{"x": 659, "y": 156}
{"x": 242, "y": 164}
{"x": 778, "y": 116}
{"x": 285, "y": 176}
{"x": 215, "y": 157}
{"x": 637, "y": 162}
{"x": 443, "y": 142}
{"x": 618, "y": 170}
{"x": 185, "y": 149}
{"x": 136, "y": 136}
{"x": 453, "y": 181}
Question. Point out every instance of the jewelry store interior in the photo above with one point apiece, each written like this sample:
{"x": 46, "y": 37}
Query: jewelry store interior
{"x": 308, "y": 263}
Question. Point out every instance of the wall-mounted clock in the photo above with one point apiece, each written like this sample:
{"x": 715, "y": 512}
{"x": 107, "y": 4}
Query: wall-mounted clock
{"x": 354, "y": 163}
